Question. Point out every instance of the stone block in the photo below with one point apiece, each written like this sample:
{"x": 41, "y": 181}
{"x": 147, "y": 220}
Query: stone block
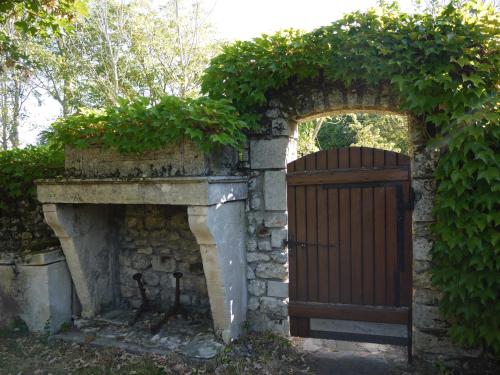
{"x": 257, "y": 257}
{"x": 269, "y": 153}
{"x": 277, "y": 289}
{"x": 278, "y": 236}
{"x": 421, "y": 248}
{"x": 275, "y": 190}
{"x": 272, "y": 271}
{"x": 39, "y": 293}
{"x": 264, "y": 244}
{"x": 183, "y": 158}
{"x": 151, "y": 278}
{"x": 425, "y": 191}
{"x": 250, "y": 273}
{"x": 141, "y": 262}
{"x": 274, "y": 308}
{"x": 276, "y": 219}
{"x": 163, "y": 263}
{"x": 253, "y": 303}
{"x": 257, "y": 288}
{"x": 428, "y": 317}
{"x": 251, "y": 245}
{"x": 279, "y": 256}
{"x": 424, "y": 162}
{"x": 429, "y": 297}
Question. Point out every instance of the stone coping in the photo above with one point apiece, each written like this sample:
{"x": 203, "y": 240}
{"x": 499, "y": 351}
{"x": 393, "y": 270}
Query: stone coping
{"x": 197, "y": 191}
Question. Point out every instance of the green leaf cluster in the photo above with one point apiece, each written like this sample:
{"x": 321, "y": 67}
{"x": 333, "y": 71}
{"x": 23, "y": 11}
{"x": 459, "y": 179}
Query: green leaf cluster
{"x": 20, "y": 167}
{"x": 137, "y": 126}
{"x": 445, "y": 69}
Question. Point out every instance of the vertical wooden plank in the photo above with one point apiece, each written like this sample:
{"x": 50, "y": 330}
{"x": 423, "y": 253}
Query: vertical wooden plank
{"x": 356, "y": 238}
{"x": 368, "y": 239}
{"x": 321, "y": 160}
{"x": 345, "y": 245}
{"x": 343, "y": 158}
{"x": 391, "y": 244}
{"x": 390, "y": 158}
{"x": 323, "y": 251}
{"x": 366, "y": 157}
{"x": 379, "y": 264}
{"x": 301, "y": 209}
{"x": 354, "y": 157}
{"x": 312, "y": 240}
{"x": 310, "y": 161}
{"x": 333, "y": 159}
{"x": 300, "y": 164}
{"x": 334, "y": 243}
{"x": 378, "y": 158}
{"x": 292, "y": 250}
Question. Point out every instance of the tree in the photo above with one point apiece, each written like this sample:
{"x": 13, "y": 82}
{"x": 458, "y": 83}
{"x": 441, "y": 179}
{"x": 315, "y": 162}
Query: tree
{"x": 123, "y": 50}
{"x": 388, "y": 132}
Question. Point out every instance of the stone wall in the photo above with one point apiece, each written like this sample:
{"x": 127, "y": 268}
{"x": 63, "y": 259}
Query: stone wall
{"x": 156, "y": 240}
{"x": 22, "y": 227}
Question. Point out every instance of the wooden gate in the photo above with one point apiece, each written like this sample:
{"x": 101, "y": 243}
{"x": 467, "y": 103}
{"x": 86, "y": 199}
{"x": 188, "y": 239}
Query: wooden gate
{"x": 349, "y": 243}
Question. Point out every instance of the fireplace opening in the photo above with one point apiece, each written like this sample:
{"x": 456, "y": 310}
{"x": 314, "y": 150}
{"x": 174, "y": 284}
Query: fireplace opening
{"x": 160, "y": 298}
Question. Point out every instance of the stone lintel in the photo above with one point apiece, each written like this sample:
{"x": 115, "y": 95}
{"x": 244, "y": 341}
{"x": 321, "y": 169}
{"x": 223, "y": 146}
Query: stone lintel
{"x": 174, "y": 190}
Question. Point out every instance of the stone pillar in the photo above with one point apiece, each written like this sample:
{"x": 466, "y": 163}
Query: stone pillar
{"x": 429, "y": 327}
{"x": 83, "y": 231}
{"x": 267, "y": 255}
{"x": 220, "y": 232}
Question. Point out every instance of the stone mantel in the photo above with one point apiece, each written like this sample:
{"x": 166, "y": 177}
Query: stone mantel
{"x": 78, "y": 210}
{"x": 191, "y": 191}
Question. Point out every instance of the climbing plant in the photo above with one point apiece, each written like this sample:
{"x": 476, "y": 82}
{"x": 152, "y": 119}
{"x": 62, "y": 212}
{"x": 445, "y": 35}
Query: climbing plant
{"x": 445, "y": 68}
{"x": 137, "y": 126}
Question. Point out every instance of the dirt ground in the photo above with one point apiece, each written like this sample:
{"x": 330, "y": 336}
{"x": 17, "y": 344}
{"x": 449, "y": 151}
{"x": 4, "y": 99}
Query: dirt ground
{"x": 26, "y": 354}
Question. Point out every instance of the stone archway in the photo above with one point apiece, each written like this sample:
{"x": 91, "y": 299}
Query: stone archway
{"x": 268, "y": 155}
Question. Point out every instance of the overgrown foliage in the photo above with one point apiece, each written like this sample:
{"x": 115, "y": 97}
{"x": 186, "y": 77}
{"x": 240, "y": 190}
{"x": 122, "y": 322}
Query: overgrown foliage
{"x": 445, "y": 68}
{"x": 20, "y": 167}
{"x": 137, "y": 126}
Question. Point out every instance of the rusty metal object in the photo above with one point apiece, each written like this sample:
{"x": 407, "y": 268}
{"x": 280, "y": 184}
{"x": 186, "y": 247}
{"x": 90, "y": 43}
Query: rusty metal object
{"x": 177, "y": 309}
{"x": 145, "y": 305}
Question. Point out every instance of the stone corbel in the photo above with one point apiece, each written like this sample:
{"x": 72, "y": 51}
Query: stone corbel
{"x": 219, "y": 230}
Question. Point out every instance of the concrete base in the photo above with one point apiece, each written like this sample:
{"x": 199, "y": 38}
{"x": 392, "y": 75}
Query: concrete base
{"x": 36, "y": 289}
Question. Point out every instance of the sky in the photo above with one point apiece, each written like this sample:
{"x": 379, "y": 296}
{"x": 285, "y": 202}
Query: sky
{"x": 233, "y": 20}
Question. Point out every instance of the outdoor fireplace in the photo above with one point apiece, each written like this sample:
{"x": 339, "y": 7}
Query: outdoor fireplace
{"x": 113, "y": 228}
